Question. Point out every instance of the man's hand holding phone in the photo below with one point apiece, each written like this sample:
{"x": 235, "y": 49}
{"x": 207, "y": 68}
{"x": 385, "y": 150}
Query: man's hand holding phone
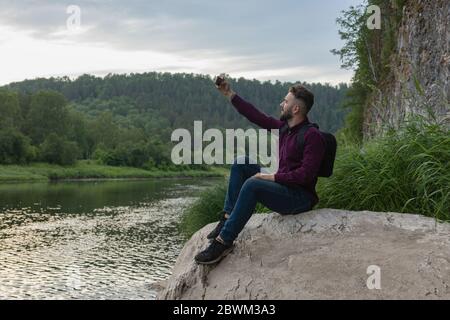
{"x": 224, "y": 87}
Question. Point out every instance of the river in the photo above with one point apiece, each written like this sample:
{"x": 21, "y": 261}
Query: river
{"x": 91, "y": 239}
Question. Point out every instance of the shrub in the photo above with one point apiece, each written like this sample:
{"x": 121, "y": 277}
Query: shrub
{"x": 58, "y": 150}
{"x": 14, "y": 147}
{"x": 407, "y": 170}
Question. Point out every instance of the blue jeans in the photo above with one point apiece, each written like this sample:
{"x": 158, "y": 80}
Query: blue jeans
{"x": 244, "y": 192}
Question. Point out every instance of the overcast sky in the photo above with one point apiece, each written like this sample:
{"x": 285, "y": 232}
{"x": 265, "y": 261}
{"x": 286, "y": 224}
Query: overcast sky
{"x": 267, "y": 40}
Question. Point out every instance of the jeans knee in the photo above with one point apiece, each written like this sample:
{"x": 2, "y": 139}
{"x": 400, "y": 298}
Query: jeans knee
{"x": 250, "y": 184}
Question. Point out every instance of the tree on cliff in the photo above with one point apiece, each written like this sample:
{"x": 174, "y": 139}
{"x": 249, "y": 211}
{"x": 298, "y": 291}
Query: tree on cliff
{"x": 368, "y": 52}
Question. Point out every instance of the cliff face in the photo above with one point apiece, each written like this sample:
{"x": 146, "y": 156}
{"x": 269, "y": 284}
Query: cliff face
{"x": 322, "y": 254}
{"x": 422, "y": 57}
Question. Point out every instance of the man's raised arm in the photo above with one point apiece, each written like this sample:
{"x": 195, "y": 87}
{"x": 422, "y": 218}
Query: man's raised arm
{"x": 248, "y": 110}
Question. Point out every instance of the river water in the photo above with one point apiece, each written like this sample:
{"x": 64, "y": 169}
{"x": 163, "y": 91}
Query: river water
{"x": 92, "y": 239}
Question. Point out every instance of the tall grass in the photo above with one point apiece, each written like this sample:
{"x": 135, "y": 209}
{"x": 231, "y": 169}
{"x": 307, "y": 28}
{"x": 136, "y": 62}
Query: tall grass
{"x": 407, "y": 170}
{"x": 204, "y": 210}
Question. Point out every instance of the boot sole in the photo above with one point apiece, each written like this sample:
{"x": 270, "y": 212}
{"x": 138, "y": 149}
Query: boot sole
{"x": 225, "y": 253}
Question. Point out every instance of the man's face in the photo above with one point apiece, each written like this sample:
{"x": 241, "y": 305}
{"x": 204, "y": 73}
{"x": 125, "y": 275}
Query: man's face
{"x": 287, "y": 107}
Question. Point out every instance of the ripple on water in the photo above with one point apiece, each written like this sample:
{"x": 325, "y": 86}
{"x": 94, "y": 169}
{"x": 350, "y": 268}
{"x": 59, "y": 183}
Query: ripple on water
{"x": 110, "y": 253}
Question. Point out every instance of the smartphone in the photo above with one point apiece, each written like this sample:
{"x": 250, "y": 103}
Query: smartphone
{"x": 219, "y": 80}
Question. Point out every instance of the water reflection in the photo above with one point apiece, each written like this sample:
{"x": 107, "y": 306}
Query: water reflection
{"x": 90, "y": 240}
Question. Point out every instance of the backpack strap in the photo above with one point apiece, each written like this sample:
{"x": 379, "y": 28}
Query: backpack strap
{"x": 301, "y": 136}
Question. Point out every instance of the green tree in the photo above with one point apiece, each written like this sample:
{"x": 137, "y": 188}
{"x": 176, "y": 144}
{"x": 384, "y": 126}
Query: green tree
{"x": 48, "y": 115}
{"x": 78, "y": 131}
{"x": 113, "y": 118}
{"x": 58, "y": 150}
{"x": 14, "y": 147}
{"x": 10, "y": 113}
{"x": 368, "y": 52}
{"x": 104, "y": 131}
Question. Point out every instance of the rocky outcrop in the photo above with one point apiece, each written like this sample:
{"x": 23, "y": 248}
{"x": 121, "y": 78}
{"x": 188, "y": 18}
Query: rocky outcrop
{"x": 322, "y": 254}
{"x": 420, "y": 69}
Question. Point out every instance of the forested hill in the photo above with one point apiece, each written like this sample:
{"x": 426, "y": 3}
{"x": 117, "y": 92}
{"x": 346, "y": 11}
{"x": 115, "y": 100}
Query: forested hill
{"x": 127, "y": 120}
{"x": 168, "y": 101}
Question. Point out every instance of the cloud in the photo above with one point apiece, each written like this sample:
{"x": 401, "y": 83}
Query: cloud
{"x": 251, "y": 37}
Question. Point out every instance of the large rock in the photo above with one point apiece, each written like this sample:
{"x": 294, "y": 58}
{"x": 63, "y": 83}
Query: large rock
{"x": 323, "y": 254}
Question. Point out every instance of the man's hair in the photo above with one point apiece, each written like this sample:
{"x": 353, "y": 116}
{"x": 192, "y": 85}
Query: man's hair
{"x": 301, "y": 93}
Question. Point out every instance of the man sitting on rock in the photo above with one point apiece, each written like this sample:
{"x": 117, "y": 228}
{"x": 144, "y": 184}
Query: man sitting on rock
{"x": 290, "y": 191}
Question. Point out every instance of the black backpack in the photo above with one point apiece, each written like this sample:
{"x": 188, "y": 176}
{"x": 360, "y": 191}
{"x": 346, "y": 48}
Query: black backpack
{"x": 326, "y": 167}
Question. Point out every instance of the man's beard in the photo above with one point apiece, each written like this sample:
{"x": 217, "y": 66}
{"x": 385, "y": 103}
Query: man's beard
{"x": 285, "y": 116}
